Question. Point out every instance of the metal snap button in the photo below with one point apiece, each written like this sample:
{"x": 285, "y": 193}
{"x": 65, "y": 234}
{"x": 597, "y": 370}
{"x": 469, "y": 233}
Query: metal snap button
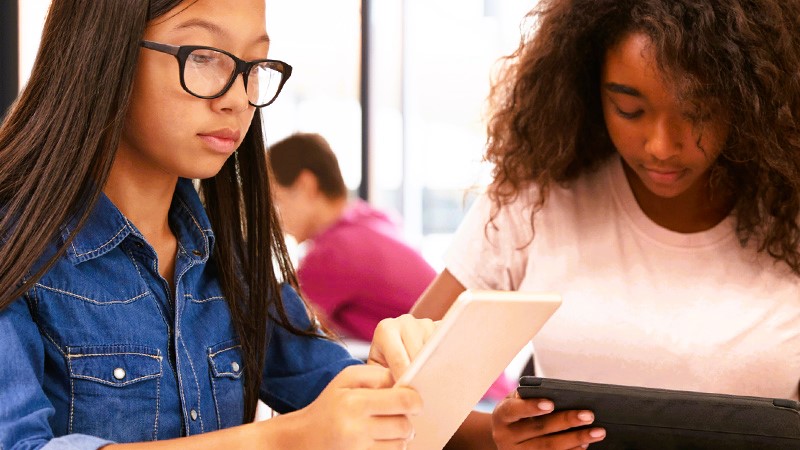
{"x": 197, "y": 253}
{"x": 193, "y": 414}
{"x": 119, "y": 373}
{"x": 235, "y": 366}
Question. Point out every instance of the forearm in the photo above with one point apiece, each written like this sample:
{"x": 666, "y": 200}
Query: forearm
{"x": 269, "y": 434}
{"x": 474, "y": 434}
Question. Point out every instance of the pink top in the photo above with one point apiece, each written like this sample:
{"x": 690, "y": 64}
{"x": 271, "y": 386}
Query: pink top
{"x": 359, "y": 271}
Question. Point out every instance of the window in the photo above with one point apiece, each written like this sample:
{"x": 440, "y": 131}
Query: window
{"x": 429, "y": 75}
{"x": 321, "y": 40}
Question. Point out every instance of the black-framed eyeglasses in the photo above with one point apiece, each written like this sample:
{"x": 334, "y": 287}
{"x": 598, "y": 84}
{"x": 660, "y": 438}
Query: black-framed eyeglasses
{"x": 208, "y": 72}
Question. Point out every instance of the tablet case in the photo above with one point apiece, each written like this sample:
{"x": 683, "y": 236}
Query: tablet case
{"x": 477, "y": 338}
{"x": 648, "y": 418}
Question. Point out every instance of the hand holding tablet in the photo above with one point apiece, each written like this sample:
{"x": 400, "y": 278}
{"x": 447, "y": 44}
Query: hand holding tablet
{"x": 660, "y": 419}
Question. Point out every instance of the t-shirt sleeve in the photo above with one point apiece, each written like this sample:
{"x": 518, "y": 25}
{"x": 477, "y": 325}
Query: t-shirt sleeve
{"x": 25, "y": 409}
{"x": 298, "y": 368}
{"x": 491, "y": 255}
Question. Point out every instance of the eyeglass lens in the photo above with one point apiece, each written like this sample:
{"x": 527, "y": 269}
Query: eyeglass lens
{"x": 207, "y": 73}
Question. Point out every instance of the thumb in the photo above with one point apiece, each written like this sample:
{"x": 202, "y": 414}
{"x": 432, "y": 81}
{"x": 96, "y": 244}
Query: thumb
{"x": 363, "y": 376}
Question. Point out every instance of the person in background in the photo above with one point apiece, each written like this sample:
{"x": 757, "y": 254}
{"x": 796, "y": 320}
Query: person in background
{"x": 646, "y": 166}
{"x": 356, "y": 269}
{"x": 140, "y": 253}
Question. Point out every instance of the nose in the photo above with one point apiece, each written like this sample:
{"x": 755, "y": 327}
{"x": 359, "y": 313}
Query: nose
{"x": 235, "y": 99}
{"x": 666, "y": 138}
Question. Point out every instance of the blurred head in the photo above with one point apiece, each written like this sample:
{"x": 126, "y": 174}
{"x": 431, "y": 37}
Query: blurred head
{"x": 306, "y": 181}
{"x": 715, "y": 97}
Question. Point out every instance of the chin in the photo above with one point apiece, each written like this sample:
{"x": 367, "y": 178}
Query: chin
{"x": 667, "y": 192}
{"x": 201, "y": 173}
{"x": 205, "y": 176}
{"x": 203, "y": 168}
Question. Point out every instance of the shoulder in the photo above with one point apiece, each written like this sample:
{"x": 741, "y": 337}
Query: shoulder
{"x": 360, "y": 217}
{"x": 589, "y": 198}
{"x": 359, "y": 227}
{"x": 592, "y": 188}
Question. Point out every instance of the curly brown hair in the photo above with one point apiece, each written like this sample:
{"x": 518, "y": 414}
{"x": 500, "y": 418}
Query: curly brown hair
{"x": 741, "y": 55}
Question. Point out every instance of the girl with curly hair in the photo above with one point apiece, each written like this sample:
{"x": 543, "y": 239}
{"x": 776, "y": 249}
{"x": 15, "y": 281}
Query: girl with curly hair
{"x": 647, "y": 167}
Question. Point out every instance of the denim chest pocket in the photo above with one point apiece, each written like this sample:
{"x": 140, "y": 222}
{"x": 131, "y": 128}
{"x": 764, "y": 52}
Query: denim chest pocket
{"x": 72, "y": 310}
{"x": 227, "y": 383}
{"x": 114, "y": 391}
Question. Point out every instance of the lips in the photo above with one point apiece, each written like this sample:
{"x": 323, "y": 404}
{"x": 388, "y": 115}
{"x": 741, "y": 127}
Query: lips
{"x": 222, "y": 140}
{"x": 664, "y": 175}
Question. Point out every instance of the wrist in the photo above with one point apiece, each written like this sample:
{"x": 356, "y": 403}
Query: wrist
{"x": 281, "y": 432}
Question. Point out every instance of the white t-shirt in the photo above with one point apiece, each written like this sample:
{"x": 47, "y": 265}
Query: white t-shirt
{"x": 642, "y": 305}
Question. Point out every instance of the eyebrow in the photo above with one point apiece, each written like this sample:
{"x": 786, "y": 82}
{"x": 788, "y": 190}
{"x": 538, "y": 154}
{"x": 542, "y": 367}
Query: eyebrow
{"x": 622, "y": 89}
{"x": 216, "y": 29}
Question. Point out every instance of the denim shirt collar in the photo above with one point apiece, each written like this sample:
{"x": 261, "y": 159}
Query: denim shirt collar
{"x": 106, "y": 227}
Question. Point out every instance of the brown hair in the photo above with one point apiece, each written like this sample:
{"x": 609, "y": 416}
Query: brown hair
{"x": 68, "y": 120}
{"x": 743, "y": 55}
{"x": 307, "y": 151}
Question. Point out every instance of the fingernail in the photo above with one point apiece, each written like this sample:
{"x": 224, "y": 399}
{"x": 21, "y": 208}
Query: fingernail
{"x": 585, "y": 446}
{"x": 546, "y": 406}
{"x": 597, "y": 433}
{"x": 585, "y": 416}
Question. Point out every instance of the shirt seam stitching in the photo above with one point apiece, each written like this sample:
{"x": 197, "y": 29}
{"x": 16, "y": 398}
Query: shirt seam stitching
{"x": 87, "y": 299}
{"x": 110, "y": 383}
{"x": 136, "y": 266}
{"x": 158, "y": 398}
{"x": 197, "y": 384}
{"x": 223, "y": 350}
{"x": 83, "y": 355}
{"x": 41, "y": 327}
{"x": 97, "y": 249}
{"x": 71, "y": 396}
{"x": 216, "y": 405}
{"x": 196, "y": 224}
{"x": 203, "y": 300}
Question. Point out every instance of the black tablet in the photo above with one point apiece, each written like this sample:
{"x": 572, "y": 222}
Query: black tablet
{"x": 647, "y": 418}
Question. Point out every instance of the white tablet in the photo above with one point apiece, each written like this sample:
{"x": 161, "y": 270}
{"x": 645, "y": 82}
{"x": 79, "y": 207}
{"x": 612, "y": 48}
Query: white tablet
{"x": 475, "y": 341}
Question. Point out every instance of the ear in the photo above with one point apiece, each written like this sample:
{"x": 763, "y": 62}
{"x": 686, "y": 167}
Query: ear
{"x": 306, "y": 183}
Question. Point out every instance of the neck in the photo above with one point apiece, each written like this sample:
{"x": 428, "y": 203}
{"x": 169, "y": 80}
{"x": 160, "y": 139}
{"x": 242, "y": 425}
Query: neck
{"x": 145, "y": 200}
{"x": 327, "y": 213}
{"x": 698, "y": 209}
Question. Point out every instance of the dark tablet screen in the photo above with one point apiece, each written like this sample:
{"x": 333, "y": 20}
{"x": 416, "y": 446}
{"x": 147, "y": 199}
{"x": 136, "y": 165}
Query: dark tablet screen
{"x": 647, "y": 418}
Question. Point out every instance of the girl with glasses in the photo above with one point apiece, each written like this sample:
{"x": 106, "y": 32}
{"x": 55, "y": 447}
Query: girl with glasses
{"x": 137, "y": 305}
{"x": 647, "y": 167}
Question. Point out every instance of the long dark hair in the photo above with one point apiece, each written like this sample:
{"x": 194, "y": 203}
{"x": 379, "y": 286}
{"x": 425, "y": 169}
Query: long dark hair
{"x": 741, "y": 55}
{"x": 59, "y": 140}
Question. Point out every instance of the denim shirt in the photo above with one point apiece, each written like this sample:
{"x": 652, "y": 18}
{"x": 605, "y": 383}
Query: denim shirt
{"x": 101, "y": 350}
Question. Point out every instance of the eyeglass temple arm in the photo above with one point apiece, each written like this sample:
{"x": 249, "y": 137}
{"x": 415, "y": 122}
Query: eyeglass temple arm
{"x": 164, "y": 48}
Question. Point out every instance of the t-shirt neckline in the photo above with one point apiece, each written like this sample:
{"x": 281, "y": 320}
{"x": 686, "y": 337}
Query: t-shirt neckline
{"x": 623, "y": 195}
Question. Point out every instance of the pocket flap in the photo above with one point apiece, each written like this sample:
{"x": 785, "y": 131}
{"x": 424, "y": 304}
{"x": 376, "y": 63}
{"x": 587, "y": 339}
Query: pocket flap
{"x": 226, "y": 359}
{"x": 115, "y": 365}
